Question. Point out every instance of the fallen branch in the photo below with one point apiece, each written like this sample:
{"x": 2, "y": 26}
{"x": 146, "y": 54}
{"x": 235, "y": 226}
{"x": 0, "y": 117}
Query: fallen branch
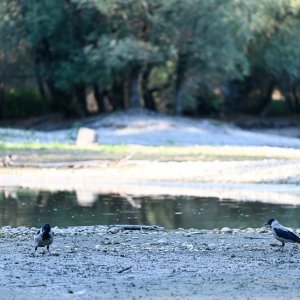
{"x": 8, "y": 160}
{"x": 116, "y": 228}
{"x": 31, "y": 285}
{"x": 116, "y": 162}
{"x": 124, "y": 270}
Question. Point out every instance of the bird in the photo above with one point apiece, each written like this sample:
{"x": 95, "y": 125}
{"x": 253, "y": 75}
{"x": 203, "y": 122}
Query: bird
{"x": 282, "y": 234}
{"x": 43, "y": 237}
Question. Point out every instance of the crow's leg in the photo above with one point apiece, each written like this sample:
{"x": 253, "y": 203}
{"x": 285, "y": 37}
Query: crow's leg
{"x": 48, "y": 250}
{"x": 281, "y": 247}
{"x": 35, "y": 248}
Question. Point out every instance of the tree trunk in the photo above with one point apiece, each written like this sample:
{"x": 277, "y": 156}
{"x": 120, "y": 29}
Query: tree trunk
{"x": 78, "y": 104}
{"x": 235, "y": 95}
{"x": 100, "y": 99}
{"x": 126, "y": 92}
{"x": 116, "y": 96}
{"x": 2, "y": 99}
{"x": 40, "y": 83}
{"x": 267, "y": 99}
{"x": 179, "y": 83}
{"x": 296, "y": 96}
{"x": 58, "y": 100}
{"x": 147, "y": 94}
{"x": 135, "y": 96}
{"x": 149, "y": 101}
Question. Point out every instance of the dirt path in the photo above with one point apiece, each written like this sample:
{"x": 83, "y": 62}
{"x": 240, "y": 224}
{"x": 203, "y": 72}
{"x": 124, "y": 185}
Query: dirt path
{"x": 88, "y": 263}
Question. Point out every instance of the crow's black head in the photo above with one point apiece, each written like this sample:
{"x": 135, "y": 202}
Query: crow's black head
{"x": 46, "y": 228}
{"x": 270, "y": 222}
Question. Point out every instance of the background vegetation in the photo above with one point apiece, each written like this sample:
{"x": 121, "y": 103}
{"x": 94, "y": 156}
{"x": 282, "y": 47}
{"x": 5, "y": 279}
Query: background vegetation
{"x": 82, "y": 57}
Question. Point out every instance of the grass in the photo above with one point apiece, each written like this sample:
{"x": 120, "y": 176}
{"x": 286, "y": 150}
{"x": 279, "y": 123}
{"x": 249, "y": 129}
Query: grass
{"x": 59, "y": 151}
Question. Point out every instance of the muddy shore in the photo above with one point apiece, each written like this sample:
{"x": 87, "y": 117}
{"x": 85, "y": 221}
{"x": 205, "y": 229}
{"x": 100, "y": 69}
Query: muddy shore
{"x": 91, "y": 263}
{"x": 269, "y": 180}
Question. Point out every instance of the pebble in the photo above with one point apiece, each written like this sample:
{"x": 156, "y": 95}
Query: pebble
{"x": 189, "y": 234}
{"x": 262, "y": 230}
{"x": 226, "y": 230}
{"x": 81, "y": 292}
{"x": 161, "y": 242}
{"x": 7, "y": 231}
{"x": 113, "y": 230}
{"x": 187, "y": 246}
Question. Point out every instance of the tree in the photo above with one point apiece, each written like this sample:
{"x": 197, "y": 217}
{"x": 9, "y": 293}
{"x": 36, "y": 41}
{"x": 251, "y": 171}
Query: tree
{"x": 195, "y": 56}
{"x": 208, "y": 39}
{"x": 272, "y": 53}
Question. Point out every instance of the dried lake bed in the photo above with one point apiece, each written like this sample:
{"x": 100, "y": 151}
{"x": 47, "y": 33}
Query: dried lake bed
{"x": 94, "y": 263}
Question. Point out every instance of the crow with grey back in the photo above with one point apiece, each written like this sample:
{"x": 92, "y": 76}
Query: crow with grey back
{"x": 43, "y": 238}
{"x": 282, "y": 234}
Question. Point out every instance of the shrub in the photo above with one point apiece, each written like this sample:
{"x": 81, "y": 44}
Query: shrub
{"x": 23, "y": 102}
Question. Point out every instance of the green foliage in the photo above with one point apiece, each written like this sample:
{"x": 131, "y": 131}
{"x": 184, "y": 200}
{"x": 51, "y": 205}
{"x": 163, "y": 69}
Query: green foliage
{"x": 273, "y": 52}
{"x": 23, "y": 102}
{"x": 279, "y": 108}
{"x": 171, "y": 53}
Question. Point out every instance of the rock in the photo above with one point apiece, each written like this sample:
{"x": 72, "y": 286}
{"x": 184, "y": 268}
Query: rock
{"x": 86, "y": 137}
{"x": 81, "y": 292}
{"x": 262, "y": 230}
{"x": 187, "y": 246}
{"x": 250, "y": 230}
{"x": 161, "y": 242}
{"x": 190, "y": 234}
{"x": 106, "y": 241}
{"x": 113, "y": 230}
{"x": 226, "y": 230}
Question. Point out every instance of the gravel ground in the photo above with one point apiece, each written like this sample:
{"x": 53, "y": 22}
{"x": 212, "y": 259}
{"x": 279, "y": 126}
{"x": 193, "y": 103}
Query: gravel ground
{"x": 91, "y": 263}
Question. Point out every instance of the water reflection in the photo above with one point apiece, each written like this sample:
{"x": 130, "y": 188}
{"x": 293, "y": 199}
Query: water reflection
{"x": 61, "y": 208}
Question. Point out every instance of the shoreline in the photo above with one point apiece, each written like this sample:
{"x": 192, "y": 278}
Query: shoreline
{"x": 9, "y": 231}
{"x": 91, "y": 263}
{"x": 270, "y": 181}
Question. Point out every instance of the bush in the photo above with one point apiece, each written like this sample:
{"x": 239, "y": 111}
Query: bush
{"x": 279, "y": 108}
{"x": 22, "y": 103}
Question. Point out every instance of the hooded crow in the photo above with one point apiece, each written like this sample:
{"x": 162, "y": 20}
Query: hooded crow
{"x": 282, "y": 234}
{"x": 43, "y": 237}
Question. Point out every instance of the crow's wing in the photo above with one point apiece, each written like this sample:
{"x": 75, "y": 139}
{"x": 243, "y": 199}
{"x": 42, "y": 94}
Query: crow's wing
{"x": 286, "y": 234}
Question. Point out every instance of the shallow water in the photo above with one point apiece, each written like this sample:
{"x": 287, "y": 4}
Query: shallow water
{"x": 25, "y": 207}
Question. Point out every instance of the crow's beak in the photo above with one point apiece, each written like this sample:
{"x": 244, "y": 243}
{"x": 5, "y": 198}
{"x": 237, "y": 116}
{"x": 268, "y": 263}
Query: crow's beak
{"x": 267, "y": 224}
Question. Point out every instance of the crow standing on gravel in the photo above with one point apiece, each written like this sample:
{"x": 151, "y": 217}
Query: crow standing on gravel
{"x": 282, "y": 234}
{"x": 43, "y": 237}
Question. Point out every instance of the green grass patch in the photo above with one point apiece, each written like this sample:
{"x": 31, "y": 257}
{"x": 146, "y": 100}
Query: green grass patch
{"x": 58, "y": 146}
{"x": 59, "y": 151}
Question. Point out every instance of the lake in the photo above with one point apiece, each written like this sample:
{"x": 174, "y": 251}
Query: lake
{"x": 25, "y": 207}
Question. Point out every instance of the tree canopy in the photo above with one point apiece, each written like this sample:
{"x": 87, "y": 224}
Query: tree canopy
{"x": 80, "y": 57}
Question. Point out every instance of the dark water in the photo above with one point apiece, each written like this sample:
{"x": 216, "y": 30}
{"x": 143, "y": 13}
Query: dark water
{"x": 32, "y": 208}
